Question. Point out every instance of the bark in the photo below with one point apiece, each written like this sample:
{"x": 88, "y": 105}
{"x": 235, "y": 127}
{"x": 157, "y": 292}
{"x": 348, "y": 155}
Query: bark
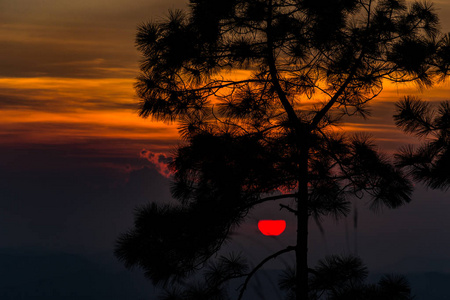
{"x": 301, "y": 254}
{"x": 301, "y": 131}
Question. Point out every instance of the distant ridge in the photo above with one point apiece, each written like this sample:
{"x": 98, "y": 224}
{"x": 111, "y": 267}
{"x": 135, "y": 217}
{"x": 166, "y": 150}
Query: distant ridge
{"x": 56, "y": 276}
{"x": 28, "y": 273}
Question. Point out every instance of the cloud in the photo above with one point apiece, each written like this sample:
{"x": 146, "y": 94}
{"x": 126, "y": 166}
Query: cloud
{"x": 77, "y": 39}
{"x": 159, "y": 160}
{"x": 68, "y": 94}
{"x": 76, "y": 59}
{"x": 61, "y": 110}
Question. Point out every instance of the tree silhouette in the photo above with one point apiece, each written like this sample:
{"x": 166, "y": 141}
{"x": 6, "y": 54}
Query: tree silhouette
{"x": 342, "y": 277}
{"x": 430, "y": 162}
{"x": 256, "y": 87}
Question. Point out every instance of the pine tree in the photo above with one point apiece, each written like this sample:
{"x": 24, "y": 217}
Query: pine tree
{"x": 256, "y": 87}
{"x": 430, "y": 162}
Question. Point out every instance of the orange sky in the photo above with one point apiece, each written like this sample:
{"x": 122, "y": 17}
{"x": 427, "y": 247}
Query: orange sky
{"x": 67, "y": 70}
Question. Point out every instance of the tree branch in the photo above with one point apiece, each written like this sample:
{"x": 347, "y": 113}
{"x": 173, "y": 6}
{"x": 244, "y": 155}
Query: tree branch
{"x": 274, "y": 75}
{"x": 272, "y": 198}
{"x": 288, "y": 208}
{"x": 319, "y": 116}
{"x": 263, "y": 262}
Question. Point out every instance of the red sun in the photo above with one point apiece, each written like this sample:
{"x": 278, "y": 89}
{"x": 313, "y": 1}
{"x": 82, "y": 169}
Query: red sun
{"x": 272, "y": 227}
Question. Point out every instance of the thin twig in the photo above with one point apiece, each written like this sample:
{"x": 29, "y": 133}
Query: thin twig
{"x": 289, "y": 209}
{"x": 263, "y": 262}
{"x": 272, "y": 198}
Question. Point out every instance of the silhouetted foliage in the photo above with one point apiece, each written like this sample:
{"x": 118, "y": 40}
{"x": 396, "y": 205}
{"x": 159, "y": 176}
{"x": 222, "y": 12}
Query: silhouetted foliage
{"x": 430, "y": 162}
{"x": 343, "y": 278}
{"x": 256, "y": 87}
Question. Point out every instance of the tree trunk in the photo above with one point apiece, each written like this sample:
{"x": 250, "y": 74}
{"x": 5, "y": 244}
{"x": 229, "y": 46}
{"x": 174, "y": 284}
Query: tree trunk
{"x": 301, "y": 253}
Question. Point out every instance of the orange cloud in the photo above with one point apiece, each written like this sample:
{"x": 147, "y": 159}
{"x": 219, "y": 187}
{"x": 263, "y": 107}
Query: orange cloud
{"x": 65, "y": 110}
{"x": 159, "y": 160}
{"x": 47, "y": 110}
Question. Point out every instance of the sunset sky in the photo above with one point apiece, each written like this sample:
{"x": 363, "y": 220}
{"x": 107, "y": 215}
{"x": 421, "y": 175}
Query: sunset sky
{"x": 74, "y": 155}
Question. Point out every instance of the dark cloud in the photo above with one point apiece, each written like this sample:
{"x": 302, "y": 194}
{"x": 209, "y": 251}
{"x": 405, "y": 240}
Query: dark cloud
{"x": 31, "y": 102}
{"x": 89, "y": 128}
{"x": 73, "y": 39}
{"x": 100, "y": 12}
{"x": 164, "y": 159}
{"x": 114, "y": 156}
{"x": 77, "y": 60}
